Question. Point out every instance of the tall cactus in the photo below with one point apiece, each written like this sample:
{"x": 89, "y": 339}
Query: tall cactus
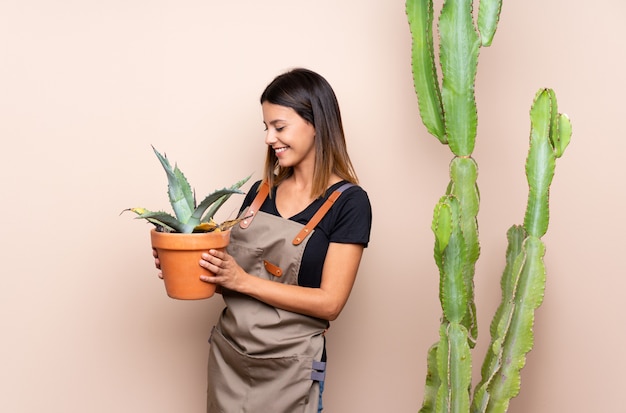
{"x": 448, "y": 110}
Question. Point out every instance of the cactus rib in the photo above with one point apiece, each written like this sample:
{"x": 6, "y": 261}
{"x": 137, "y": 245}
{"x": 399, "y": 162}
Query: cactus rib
{"x": 463, "y": 175}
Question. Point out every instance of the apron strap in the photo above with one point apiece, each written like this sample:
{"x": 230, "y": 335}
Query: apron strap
{"x": 256, "y": 204}
{"x": 319, "y": 371}
{"x": 320, "y": 214}
{"x": 306, "y": 230}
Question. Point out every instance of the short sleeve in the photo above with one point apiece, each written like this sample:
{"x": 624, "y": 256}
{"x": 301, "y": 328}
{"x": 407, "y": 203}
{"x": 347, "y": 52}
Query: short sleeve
{"x": 352, "y": 218}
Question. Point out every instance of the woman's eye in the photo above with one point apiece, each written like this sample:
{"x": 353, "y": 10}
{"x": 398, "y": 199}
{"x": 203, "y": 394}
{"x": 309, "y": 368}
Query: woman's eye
{"x": 280, "y": 129}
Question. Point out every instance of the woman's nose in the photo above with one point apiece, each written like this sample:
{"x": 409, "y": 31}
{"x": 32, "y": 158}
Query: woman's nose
{"x": 270, "y": 137}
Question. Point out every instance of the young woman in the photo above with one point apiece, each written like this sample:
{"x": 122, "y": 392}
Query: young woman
{"x": 292, "y": 261}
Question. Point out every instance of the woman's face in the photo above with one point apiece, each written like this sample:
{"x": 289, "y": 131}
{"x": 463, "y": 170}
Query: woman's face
{"x": 290, "y": 136}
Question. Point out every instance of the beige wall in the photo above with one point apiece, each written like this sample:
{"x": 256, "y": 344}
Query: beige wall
{"x": 87, "y": 86}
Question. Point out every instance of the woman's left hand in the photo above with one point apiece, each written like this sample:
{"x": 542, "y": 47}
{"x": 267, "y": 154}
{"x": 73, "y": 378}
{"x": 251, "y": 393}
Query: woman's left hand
{"x": 226, "y": 271}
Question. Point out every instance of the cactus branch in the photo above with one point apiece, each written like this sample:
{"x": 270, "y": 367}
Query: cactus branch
{"x": 455, "y": 366}
{"x": 433, "y": 382}
{"x": 541, "y": 160}
{"x": 459, "y": 46}
{"x": 515, "y": 258}
{"x": 488, "y": 17}
{"x": 452, "y": 291}
{"x": 463, "y": 175}
{"x": 455, "y": 224}
{"x": 426, "y": 82}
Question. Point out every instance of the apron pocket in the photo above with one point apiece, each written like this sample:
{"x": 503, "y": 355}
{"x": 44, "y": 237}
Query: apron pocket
{"x": 248, "y": 258}
{"x": 239, "y": 382}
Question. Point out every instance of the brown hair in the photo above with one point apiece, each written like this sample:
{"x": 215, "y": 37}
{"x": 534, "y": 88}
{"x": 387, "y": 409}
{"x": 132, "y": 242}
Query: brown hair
{"x": 314, "y": 100}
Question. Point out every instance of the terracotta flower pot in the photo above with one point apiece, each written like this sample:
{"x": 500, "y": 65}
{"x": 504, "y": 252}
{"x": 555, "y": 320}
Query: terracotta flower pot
{"x": 179, "y": 255}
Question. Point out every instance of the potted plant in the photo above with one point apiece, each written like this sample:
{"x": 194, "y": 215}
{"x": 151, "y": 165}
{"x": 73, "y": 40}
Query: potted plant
{"x": 180, "y": 239}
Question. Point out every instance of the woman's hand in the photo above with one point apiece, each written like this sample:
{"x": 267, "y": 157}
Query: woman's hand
{"x": 340, "y": 269}
{"x": 157, "y": 263}
{"x": 227, "y": 273}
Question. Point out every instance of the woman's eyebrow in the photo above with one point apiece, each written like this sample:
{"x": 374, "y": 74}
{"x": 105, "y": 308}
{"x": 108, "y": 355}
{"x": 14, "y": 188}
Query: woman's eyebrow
{"x": 274, "y": 122}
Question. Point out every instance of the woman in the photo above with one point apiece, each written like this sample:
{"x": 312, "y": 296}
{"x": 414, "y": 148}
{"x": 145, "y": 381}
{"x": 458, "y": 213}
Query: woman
{"x": 292, "y": 261}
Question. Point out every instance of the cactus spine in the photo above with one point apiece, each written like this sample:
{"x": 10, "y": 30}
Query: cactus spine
{"x": 449, "y": 113}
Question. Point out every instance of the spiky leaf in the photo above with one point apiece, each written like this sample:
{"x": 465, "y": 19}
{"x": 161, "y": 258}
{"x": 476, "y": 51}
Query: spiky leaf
{"x": 179, "y": 191}
{"x": 159, "y": 218}
{"x": 218, "y": 204}
{"x": 194, "y": 220}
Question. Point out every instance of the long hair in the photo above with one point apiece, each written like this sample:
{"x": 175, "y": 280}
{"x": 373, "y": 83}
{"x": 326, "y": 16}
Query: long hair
{"x": 314, "y": 100}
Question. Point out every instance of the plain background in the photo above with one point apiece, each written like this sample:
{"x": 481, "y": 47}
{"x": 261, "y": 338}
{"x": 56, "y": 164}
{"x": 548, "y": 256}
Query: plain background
{"x": 87, "y": 86}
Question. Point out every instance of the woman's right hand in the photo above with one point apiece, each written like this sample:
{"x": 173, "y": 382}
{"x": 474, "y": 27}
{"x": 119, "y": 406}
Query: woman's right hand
{"x": 157, "y": 263}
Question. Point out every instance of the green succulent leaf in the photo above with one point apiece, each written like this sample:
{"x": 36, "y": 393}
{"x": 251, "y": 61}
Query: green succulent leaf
{"x": 194, "y": 220}
{"x": 159, "y": 218}
{"x": 218, "y": 204}
{"x": 187, "y": 217}
{"x": 179, "y": 191}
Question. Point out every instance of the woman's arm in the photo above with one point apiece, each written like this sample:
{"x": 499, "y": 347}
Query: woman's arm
{"x": 338, "y": 275}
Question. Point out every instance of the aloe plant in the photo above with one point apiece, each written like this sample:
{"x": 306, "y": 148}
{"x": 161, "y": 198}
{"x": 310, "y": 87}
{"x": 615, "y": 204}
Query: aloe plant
{"x": 189, "y": 216}
{"x": 448, "y": 110}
